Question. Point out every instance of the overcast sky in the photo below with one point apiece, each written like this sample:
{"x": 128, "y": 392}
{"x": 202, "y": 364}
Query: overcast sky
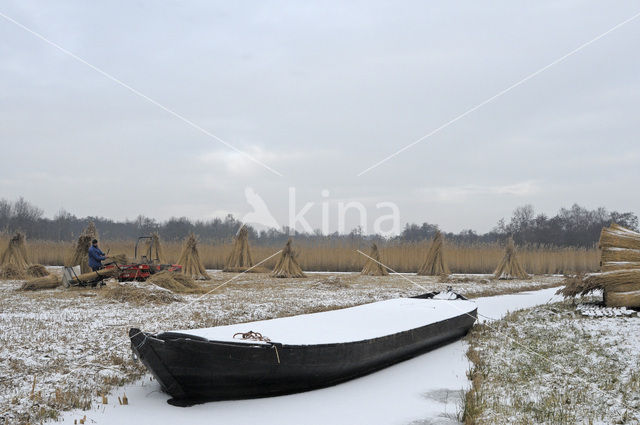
{"x": 320, "y": 92}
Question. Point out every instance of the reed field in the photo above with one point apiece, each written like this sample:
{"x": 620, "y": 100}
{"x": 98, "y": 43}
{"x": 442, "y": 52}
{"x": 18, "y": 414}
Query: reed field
{"x": 339, "y": 256}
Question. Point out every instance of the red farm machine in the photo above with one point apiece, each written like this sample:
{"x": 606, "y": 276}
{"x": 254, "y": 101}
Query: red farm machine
{"x": 144, "y": 265}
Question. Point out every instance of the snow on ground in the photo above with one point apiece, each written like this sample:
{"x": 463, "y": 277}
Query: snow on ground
{"x": 554, "y": 364}
{"x": 60, "y": 348}
{"x": 423, "y": 390}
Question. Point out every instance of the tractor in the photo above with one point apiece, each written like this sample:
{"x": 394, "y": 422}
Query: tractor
{"x": 142, "y": 267}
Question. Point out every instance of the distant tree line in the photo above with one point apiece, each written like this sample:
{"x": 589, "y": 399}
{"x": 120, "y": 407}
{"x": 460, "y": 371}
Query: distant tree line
{"x": 576, "y": 226}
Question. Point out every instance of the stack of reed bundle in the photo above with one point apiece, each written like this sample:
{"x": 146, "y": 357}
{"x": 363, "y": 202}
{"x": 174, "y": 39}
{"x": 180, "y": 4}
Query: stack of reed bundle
{"x": 239, "y": 260}
{"x": 80, "y": 255}
{"x": 287, "y": 265}
{"x": 619, "y": 278}
{"x": 509, "y": 267}
{"x": 190, "y": 259}
{"x": 373, "y": 266}
{"x": 434, "y": 264}
{"x": 14, "y": 261}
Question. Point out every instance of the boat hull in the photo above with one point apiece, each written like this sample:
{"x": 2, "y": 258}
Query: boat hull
{"x": 193, "y": 369}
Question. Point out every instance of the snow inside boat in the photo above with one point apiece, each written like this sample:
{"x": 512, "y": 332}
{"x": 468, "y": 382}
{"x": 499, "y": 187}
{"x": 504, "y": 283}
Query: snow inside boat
{"x": 299, "y": 353}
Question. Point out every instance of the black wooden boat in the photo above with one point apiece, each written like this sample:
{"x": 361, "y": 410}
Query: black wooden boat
{"x": 303, "y": 353}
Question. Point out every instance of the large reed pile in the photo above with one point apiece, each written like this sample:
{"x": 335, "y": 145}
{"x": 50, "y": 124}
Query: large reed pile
{"x": 434, "y": 264}
{"x": 619, "y": 278}
{"x": 620, "y": 248}
{"x": 80, "y": 255}
{"x": 509, "y": 267}
{"x": 373, "y": 266}
{"x": 46, "y": 282}
{"x": 190, "y": 259}
{"x": 239, "y": 259}
{"x": 287, "y": 265}
{"x": 14, "y": 261}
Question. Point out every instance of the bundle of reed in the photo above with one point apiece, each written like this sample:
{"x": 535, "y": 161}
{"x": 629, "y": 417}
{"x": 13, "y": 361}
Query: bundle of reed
{"x": 616, "y": 236}
{"x": 154, "y": 249}
{"x": 92, "y": 276}
{"x": 619, "y": 265}
{"x": 509, "y": 267}
{"x": 606, "y": 279}
{"x": 46, "y": 282}
{"x": 577, "y": 285}
{"x": 619, "y": 254}
{"x": 622, "y": 299}
{"x": 621, "y": 287}
{"x": 175, "y": 282}
{"x": 240, "y": 257}
{"x": 287, "y": 265}
{"x": 373, "y": 266}
{"x": 434, "y": 264}
{"x": 16, "y": 253}
{"x": 37, "y": 270}
{"x": 190, "y": 259}
{"x": 619, "y": 278}
{"x": 116, "y": 259}
{"x": 12, "y": 272}
{"x": 80, "y": 255}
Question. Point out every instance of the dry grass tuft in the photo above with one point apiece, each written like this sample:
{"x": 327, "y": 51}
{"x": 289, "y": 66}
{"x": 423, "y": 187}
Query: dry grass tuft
{"x": 434, "y": 265}
{"x": 46, "y": 282}
{"x": 190, "y": 259}
{"x": 373, "y": 267}
{"x": 37, "y": 270}
{"x": 12, "y": 272}
{"x": 575, "y": 285}
{"x": 174, "y": 282}
{"x": 331, "y": 282}
{"x": 287, "y": 265}
{"x": 509, "y": 267}
{"x": 239, "y": 259}
{"x": 139, "y": 293}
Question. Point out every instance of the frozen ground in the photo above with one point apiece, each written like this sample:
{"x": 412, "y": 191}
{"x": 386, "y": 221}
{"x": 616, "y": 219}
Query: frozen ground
{"x": 60, "y": 348}
{"x": 558, "y": 363}
{"x": 424, "y": 390}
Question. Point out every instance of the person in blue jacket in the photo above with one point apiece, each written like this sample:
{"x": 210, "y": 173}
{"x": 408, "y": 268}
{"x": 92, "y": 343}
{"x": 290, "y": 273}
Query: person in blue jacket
{"x": 96, "y": 256}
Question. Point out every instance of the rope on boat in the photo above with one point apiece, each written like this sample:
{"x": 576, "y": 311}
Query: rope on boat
{"x": 253, "y": 336}
{"x": 277, "y": 355}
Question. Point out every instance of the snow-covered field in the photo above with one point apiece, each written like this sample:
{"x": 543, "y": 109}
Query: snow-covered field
{"x": 60, "y": 349}
{"x": 558, "y": 363}
{"x": 423, "y": 390}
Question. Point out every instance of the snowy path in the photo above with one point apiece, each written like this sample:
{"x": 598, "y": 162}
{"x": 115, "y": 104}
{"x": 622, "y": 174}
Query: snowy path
{"x": 423, "y": 390}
